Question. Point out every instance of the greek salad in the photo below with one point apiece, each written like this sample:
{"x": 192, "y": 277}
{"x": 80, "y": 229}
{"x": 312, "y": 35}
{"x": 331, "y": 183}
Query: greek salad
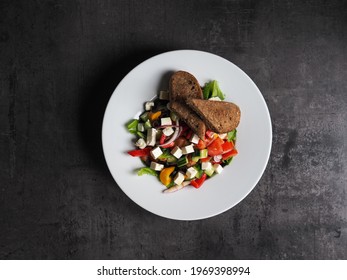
{"x": 171, "y": 151}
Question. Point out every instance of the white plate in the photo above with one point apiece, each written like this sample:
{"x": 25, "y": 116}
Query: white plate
{"x": 219, "y": 193}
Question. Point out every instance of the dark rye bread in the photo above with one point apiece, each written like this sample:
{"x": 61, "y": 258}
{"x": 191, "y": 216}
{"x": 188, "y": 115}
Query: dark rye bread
{"x": 219, "y": 116}
{"x": 189, "y": 117}
{"x": 183, "y": 86}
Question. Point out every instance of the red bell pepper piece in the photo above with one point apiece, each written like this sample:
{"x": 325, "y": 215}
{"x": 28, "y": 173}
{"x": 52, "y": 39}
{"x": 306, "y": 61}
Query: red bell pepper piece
{"x": 227, "y": 146}
{"x": 230, "y": 154}
{"x": 140, "y": 152}
{"x": 198, "y": 182}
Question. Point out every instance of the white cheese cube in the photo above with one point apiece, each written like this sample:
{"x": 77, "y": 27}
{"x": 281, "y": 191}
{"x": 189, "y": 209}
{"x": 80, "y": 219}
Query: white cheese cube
{"x": 195, "y": 139}
{"x": 191, "y": 172}
{"x": 166, "y": 121}
{"x": 141, "y": 143}
{"x": 218, "y": 168}
{"x": 156, "y": 152}
{"x": 140, "y": 127}
{"x": 179, "y": 178}
{"x": 188, "y": 149}
{"x": 149, "y": 105}
{"x": 164, "y": 95}
{"x": 168, "y": 131}
{"x": 215, "y": 98}
{"x": 206, "y": 165}
{"x": 176, "y": 152}
{"x": 151, "y": 136}
{"x": 156, "y": 166}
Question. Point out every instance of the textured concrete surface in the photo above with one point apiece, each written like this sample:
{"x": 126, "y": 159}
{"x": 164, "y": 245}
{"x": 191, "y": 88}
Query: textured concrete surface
{"x": 61, "y": 60}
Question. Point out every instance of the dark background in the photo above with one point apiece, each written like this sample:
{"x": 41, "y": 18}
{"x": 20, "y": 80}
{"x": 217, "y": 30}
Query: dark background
{"x": 60, "y": 62}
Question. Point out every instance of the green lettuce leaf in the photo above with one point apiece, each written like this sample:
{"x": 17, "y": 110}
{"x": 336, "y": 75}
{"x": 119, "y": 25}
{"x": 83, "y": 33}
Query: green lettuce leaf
{"x": 231, "y": 136}
{"x": 212, "y": 89}
{"x": 132, "y": 126}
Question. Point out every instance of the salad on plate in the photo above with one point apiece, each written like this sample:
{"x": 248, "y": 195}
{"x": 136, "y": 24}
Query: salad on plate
{"x": 187, "y": 134}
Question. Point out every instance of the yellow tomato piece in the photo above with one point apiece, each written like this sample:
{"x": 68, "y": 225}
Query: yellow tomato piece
{"x": 154, "y": 116}
{"x": 165, "y": 175}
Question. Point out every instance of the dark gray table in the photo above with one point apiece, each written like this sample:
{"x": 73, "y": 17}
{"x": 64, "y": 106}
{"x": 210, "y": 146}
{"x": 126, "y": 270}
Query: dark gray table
{"x": 60, "y": 62}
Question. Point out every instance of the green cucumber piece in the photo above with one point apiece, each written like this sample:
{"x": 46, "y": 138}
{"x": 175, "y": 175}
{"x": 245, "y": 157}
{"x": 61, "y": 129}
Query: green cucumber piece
{"x": 147, "y": 124}
{"x": 182, "y": 161}
{"x": 200, "y": 172}
{"x": 195, "y": 158}
{"x": 144, "y": 116}
{"x": 209, "y": 172}
{"x": 203, "y": 153}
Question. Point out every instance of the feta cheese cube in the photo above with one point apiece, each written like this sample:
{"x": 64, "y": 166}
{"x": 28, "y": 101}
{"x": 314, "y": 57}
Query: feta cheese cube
{"x": 206, "y": 165}
{"x": 176, "y": 152}
{"x": 215, "y": 98}
{"x": 164, "y": 95}
{"x": 151, "y": 136}
{"x": 156, "y": 152}
{"x": 168, "y": 131}
{"x": 156, "y": 166}
{"x": 195, "y": 139}
{"x": 149, "y": 105}
{"x": 179, "y": 178}
{"x": 140, "y": 127}
{"x": 141, "y": 143}
{"x": 166, "y": 121}
{"x": 218, "y": 168}
{"x": 188, "y": 149}
{"x": 191, "y": 172}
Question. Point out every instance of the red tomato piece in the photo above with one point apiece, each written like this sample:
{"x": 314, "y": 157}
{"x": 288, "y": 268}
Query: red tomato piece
{"x": 206, "y": 159}
{"x": 201, "y": 145}
{"x": 215, "y": 148}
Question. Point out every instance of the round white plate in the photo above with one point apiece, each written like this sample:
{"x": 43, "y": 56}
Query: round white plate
{"x": 221, "y": 192}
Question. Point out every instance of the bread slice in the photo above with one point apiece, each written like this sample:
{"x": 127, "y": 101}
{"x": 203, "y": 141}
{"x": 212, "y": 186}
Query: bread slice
{"x": 184, "y": 86}
{"x": 219, "y": 116}
{"x": 189, "y": 117}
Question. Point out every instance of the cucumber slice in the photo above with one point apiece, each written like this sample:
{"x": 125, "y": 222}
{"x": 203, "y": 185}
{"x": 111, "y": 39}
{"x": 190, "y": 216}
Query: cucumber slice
{"x": 148, "y": 124}
{"x": 200, "y": 172}
{"x": 209, "y": 172}
{"x": 195, "y": 158}
{"x": 182, "y": 161}
{"x": 203, "y": 153}
{"x": 144, "y": 116}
